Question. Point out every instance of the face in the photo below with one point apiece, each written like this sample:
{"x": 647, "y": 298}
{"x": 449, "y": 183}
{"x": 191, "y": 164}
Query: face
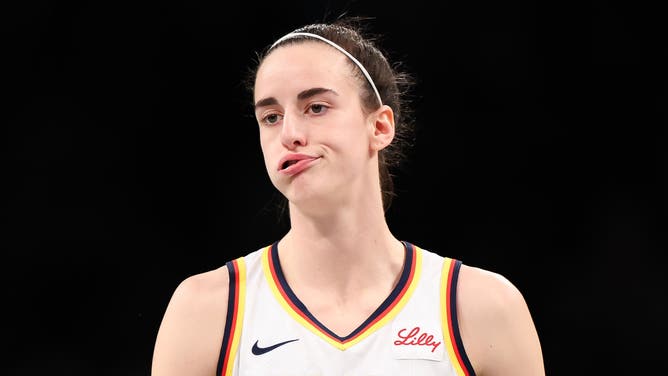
{"x": 316, "y": 140}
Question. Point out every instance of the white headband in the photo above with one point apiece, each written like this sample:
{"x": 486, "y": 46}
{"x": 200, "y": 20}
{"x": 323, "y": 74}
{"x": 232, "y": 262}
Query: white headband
{"x": 351, "y": 57}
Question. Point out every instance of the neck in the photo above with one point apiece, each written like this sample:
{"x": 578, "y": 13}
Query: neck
{"x": 341, "y": 253}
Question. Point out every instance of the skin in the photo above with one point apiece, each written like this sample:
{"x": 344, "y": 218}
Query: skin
{"x": 307, "y": 103}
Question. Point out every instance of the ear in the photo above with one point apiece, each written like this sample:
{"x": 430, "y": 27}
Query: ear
{"x": 383, "y": 127}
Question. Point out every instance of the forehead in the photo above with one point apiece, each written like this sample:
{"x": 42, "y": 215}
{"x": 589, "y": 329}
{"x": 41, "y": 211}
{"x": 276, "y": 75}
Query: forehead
{"x": 303, "y": 65}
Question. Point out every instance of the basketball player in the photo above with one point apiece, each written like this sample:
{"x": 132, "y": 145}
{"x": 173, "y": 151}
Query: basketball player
{"x": 339, "y": 294}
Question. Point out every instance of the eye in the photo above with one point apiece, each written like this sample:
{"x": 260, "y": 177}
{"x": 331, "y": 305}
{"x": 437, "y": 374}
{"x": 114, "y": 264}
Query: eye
{"x": 317, "y": 108}
{"x": 271, "y": 119}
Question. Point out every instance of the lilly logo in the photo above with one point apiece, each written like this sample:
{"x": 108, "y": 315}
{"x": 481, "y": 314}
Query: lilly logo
{"x": 415, "y": 337}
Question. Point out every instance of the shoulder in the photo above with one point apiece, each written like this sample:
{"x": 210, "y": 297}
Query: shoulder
{"x": 191, "y": 330}
{"x": 200, "y": 288}
{"x": 200, "y": 295}
{"x": 203, "y": 291}
{"x": 486, "y": 291}
{"x": 495, "y": 324}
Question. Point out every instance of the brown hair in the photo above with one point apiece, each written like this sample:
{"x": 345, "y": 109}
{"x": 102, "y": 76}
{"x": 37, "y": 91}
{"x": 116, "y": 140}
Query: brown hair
{"x": 392, "y": 84}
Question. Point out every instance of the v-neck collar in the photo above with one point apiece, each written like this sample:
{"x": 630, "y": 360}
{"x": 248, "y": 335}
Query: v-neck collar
{"x": 384, "y": 313}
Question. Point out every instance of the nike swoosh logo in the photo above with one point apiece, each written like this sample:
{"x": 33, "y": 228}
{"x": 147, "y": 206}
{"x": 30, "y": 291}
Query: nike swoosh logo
{"x": 257, "y": 350}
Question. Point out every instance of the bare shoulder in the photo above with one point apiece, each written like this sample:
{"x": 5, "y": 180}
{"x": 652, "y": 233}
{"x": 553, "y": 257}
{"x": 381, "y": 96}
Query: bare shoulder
{"x": 487, "y": 291}
{"x": 198, "y": 290}
{"x": 191, "y": 331}
{"x": 496, "y": 326}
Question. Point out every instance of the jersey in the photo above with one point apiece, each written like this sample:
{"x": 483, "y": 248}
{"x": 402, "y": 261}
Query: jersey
{"x": 270, "y": 332}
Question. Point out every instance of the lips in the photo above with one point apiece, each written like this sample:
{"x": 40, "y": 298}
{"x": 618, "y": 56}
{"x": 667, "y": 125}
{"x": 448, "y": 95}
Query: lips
{"x": 293, "y": 164}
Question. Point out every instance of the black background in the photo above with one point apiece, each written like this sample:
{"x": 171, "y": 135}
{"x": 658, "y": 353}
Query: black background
{"x": 134, "y": 162}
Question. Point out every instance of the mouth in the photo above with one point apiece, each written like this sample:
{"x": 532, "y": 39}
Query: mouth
{"x": 289, "y": 163}
{"x": 295, "y": 164}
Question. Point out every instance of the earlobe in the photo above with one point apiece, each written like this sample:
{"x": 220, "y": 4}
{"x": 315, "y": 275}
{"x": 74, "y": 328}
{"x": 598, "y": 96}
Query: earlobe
{"x": 383, "y": 127}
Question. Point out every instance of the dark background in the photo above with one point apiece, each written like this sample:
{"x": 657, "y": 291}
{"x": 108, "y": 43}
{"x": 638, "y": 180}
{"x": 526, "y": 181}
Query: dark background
{"x": 134, "y": 163}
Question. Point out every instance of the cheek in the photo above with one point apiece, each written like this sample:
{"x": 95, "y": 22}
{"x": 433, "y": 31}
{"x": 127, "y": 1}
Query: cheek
{"x": 356, "y": 137}
{"x": 270, "y": 150}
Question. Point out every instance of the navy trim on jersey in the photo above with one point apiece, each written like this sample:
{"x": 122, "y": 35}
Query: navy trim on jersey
{"x": 231, "y": 298}
{"x": 405, "y": 274}
{"x": 455, "y": 323}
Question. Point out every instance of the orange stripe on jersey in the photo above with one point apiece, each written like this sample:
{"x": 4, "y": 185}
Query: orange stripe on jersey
{"x": 295, "y": 308}
{"x": 278, "y": 289}
{"x": 454, "y": 344}
{"x": 235, "y": 314}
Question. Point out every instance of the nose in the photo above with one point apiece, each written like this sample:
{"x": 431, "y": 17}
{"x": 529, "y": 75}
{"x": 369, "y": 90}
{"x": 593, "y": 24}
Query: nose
{"x": 293, "y": 131}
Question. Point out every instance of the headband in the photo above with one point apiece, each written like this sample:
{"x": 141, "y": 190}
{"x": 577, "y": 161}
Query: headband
{"x": 351, "y": 57}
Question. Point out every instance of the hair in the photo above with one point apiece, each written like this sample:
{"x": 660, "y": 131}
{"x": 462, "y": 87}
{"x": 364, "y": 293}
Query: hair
{"x": 392, "y": 83}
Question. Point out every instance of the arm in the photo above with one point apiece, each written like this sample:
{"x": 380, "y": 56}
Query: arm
{"x": 191, "y": 331}
{"x": 497, "y": 330}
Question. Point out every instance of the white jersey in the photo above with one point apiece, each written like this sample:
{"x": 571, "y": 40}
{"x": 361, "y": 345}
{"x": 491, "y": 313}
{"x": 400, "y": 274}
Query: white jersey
{"x": 270, "y": 332}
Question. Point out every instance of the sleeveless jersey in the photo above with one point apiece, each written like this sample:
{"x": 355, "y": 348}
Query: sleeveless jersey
{"x": 270, "y": 332}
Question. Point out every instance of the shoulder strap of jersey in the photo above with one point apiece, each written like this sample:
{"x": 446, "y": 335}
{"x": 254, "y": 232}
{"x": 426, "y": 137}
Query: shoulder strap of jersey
{"x": 235, "y": 313}
{"x": 453, "y": 339}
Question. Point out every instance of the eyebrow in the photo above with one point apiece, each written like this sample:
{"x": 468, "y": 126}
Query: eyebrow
{"x": 308, "y": 93}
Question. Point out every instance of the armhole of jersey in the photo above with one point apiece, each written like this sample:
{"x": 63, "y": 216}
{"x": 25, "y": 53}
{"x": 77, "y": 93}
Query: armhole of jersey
{"x": 234, "y": 317}
{"x": 453, "y": 339}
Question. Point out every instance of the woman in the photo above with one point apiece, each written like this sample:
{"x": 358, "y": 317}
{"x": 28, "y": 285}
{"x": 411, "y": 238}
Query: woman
{"x": 339, "y": 294}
